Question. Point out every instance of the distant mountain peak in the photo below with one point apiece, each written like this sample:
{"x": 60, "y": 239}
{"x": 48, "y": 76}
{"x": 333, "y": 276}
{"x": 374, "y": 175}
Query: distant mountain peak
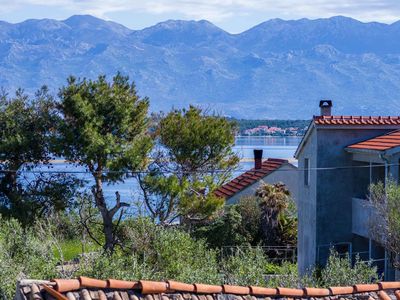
{"x": 277, "y": 69}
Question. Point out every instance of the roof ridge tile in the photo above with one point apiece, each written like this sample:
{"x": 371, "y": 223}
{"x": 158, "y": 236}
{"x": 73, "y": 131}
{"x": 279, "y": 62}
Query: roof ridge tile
{"x": 92, "y": 282}
{"x": 235, "y": 289}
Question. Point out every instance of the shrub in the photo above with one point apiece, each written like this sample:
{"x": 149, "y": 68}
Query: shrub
{"x": 180, "y": 257}
{"x": 226, "y": 230}
{"x": 117, "y": 265}
{"x": 340, "y": 271}
{"x": 245, "y": 267}
{"x": 23, "y": 254}
{"x": 169, "y": 253}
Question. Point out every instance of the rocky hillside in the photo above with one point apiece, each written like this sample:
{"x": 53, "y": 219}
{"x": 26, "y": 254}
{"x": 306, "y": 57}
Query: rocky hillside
{"x": 278, "y": 69}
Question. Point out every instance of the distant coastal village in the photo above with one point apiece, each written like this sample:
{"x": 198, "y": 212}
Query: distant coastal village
{"x": 272, "y": 127}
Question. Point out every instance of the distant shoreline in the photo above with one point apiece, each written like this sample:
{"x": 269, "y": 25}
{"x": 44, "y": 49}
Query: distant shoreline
{"x": 262, "y": 136}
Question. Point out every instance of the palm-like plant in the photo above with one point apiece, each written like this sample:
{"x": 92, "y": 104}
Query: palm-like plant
{"x": 274, "y": 203}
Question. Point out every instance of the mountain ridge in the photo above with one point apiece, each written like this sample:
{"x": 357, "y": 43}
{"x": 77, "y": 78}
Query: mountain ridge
{"x": 276, "y": 69}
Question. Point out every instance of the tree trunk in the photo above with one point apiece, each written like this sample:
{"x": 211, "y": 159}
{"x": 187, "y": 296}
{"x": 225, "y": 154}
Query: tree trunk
{"x": 105, "y": 214}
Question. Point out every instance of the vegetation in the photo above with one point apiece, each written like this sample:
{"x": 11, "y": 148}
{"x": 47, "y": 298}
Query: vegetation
{"x": 104, "y": 129}
{"x": 163, "y": 253}
{"x": 26, "y": 126}
{"x": 268, "y": 218}
{"x": 52, "y": 226}
{"x": 195, "y": 156}
{"x": 385, "y": 227}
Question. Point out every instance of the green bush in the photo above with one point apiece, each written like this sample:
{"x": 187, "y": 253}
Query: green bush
{"x": 118, "y": 265}
{"x": 226, "y": 230}
{"x": 247, "y": 266}
{"x": 180, "y": 257}
{"x": 340, "y": 271}
{"x": 23, "y": 254}
{"x": 170, "y": 253}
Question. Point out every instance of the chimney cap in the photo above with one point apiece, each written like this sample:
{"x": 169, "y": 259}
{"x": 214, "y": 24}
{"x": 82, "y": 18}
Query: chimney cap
{"x": 325, "y": 103}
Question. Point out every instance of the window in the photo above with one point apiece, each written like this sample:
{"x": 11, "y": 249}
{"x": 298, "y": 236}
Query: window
{"x": 307, "y": 171}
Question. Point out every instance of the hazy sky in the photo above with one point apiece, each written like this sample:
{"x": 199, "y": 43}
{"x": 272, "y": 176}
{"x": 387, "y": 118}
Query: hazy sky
{"x": 232, "y": 15}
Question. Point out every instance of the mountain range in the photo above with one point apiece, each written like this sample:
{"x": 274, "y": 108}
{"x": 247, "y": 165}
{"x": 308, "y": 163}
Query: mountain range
{"x": 277, "y": 69}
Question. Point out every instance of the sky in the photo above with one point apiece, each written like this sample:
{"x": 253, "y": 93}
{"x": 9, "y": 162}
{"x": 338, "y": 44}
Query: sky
{"x": 232, "y": 15}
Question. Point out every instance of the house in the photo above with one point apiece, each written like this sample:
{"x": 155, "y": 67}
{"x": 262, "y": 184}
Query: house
{"x": 91, "y": 288}
{"x": 271, "y": 170}
{"x": 338, "y": 158}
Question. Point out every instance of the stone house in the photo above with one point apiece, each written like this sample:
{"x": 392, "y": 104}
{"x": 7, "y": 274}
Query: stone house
{"x": 338, "y": 158}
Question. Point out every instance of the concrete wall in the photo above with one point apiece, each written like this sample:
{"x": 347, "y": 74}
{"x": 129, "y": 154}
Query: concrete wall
{"x": 306, "y": 207}
{"x": 362, "y": 215}
{"x": 335, "y": 187}
{"x": 325, "y": 207}
{"x": 286, "y": 174}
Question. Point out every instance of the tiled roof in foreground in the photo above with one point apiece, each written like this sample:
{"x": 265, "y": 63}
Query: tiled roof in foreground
{"x": 88, "y": 288}
{"x": 249, "y": 177}
{"x": 380, "y": 143}
{"x": 357, "y": 120}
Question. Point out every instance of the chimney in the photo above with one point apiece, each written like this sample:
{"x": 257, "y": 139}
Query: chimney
{"x": 258, "y": 153}
{"x": 326, "y": 107}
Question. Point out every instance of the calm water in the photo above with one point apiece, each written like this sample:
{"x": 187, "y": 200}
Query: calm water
{"x": 273, "y": 147}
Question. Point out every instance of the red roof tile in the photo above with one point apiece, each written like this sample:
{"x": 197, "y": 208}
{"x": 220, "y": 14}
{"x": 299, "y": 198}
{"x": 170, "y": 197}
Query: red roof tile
{"x": 249, "y": 177}
{"x": 357, "y": 120}
{"x": 380, "y": 143}
{"x": 118, "y": 289}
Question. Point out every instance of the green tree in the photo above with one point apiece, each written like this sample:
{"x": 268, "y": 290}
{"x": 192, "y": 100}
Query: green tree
{"x": 104, "y": 128}
{"x": 26, "y": 127}
{"x": 194, "y": 158}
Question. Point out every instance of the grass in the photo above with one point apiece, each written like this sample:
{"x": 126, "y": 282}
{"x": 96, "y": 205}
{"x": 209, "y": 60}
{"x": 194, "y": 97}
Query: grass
{"x": 73, "y": 248}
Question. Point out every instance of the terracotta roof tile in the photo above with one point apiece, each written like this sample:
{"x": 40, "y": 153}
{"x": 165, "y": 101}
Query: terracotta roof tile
{"x": 385, "y": 285}
{"x": 172, "y": 290}
{"x": 63, "y": 285}
{"x": 314, "y": 292}
{"x": 379, "y": 143}
{"x": 262, "y": 291}
{"x": 122, "y": 284}
{"x": 383, "y": 295}
{"x": 180, "y": 286}
{"x": 92, "y": 283}
{"x": 207, "y": 288}
{"x": 54, "y": 293}
{"x": 341, "y": 290}
{"x": 357, "y": 120}
{"x": 235, "y": 290}
{"x": 362, "y": 288}
{"x": 291, "y": 292}
{"x": 153, "y": 287}
{"x": 249, "y": 177}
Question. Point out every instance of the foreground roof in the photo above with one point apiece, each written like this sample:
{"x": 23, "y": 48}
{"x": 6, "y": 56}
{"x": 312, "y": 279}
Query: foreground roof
{"x": 384, "y": 142}
{"x": 89, "y": 288}
{"x": 249, "y": 177}
{"x": 357, "y": 120}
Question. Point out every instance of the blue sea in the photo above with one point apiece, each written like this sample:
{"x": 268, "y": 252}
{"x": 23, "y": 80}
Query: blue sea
{"x": 273, "y": 147}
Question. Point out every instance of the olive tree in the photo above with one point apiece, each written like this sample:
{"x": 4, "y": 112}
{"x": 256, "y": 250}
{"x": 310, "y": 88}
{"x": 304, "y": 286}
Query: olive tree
{"x": 104, "y": 128}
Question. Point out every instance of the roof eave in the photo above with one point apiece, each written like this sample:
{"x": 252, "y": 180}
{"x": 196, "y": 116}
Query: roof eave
{"x": 368, "y": 151}
{"x": 304, "y": 139}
